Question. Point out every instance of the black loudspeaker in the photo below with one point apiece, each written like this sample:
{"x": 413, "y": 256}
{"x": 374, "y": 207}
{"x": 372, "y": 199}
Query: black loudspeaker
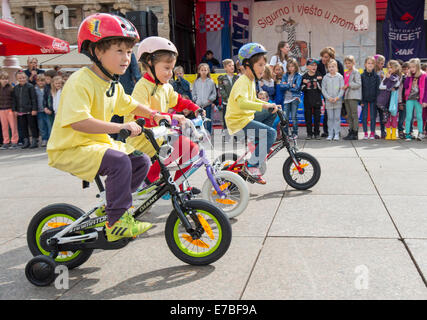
{"x": 144, "y": 21}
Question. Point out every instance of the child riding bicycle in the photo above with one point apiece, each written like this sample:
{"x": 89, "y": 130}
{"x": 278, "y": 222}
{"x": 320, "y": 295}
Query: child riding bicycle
{"x": 158, "y": 56}
{"x": 79, "y": 142}
{"x": 243, "y": 103}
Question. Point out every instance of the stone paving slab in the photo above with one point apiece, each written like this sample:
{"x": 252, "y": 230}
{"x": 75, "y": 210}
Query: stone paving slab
{"x": 314, "y": 268}
{"x": 332, "y": 216}
{"x": 409, "y": 214}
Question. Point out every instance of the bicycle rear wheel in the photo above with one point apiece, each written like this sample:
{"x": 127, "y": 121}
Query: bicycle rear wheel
{"x": 235, "y": 189}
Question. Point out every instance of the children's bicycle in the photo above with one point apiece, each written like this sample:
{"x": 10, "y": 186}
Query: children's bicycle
{"x": 300, "y": 170}
{"x": 196, "y": 231}
{"x": 224, "y": 189}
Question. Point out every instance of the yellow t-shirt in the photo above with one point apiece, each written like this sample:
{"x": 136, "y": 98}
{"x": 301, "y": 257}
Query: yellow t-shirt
{"x": 162, "y": 100}
{"x": 83, "y": 97}
{"x": 242, "y": 104}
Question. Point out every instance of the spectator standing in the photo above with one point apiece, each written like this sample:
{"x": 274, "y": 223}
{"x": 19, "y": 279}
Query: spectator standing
{"x": 312, "y": 90}
{"x": 180, "y": 85}
{"x": 25, "y": 102}
{"x": 326, "y": 54}
{"x": 415, "y": 96}
{"x": 333, "y": 92}
{"x": 32, "y": 71}
{"x": 370, "y": 89}
{"x": 352, "y": 96}
{"x": 43, "y": 119}
{"x": 204, "y": 91}
{"x": 267, "y": 83}
{"x": 282, "y": 54}
{"x": 402, "y": 102}
{"x": 291, "y": 88}
{"x": 7, "y": 113}
{"x": 225, "y": 83}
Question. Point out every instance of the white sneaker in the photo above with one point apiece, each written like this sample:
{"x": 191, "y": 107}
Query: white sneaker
{"x": 420, "y": 136}
{"x": 337, "y": 137}
{"x": 329, "y": 138}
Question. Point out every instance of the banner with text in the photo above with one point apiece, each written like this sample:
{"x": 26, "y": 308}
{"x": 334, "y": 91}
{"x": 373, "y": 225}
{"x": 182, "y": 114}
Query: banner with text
{"x": 404, "y": 34}
{"x": 309, "y": 26}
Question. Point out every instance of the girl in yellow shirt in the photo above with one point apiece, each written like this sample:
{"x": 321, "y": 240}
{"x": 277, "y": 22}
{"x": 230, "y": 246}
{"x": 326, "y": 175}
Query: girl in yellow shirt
{"x": 243, "y": 103}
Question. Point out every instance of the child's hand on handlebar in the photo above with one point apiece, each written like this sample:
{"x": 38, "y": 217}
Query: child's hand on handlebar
{"x": 133, "y": 127}
{"x": 182, "y": 120}
{"x": 270, "y": 106}
{"x": 201, "y": 112}
{"x": 160, "y": 116}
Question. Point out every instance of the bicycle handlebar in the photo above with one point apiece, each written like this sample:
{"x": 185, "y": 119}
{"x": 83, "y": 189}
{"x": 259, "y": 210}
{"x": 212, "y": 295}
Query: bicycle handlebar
{"x": 125, "y": 133}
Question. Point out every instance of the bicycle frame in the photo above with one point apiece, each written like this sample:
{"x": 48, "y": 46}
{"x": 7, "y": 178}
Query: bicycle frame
{"x": 198, "y": 161}
{"x": 162, "y": 186}
{"x": 284, "y": 142}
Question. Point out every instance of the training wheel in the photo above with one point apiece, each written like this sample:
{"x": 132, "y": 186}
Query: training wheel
{"x": 40, "y": 270}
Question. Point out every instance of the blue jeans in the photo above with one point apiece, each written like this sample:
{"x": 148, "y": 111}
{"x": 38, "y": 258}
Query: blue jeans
{"x": 365, "y": 110}
{"x": 45, "y": 122}
{"x": 291, "y": 114}
{"x": 402, "y": 118}
{"x": 410, "y": 106}
{"x": 261, "y": 132}
{"x": 208, "y": 124}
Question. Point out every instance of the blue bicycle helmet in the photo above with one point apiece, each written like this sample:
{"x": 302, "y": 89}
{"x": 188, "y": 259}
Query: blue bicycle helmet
{"x": 247, "y": 51}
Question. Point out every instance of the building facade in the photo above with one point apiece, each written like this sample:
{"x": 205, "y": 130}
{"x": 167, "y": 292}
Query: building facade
{"x": 61, "y": 18}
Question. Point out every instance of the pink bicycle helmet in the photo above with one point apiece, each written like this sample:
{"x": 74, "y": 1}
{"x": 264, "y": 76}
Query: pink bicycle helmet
{"x": 152, "y": 44}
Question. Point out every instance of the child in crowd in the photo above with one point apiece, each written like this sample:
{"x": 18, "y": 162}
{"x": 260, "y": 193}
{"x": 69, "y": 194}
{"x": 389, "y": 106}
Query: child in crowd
{"x": 379, "y": 66}
{"x": 43, "y": 119}
{"x": 55, "y": 92}
{"x": 312, "y": 90}
{"x": 204, "y": 92}
{"x": 333, "y": 92}
{"x": 402, "y": 102}
{"x": 352, "y": 96}
{"x": 158, "y": 56}
{"x": 7, "y": 113}
{"x": 267, "y": 83}
{"x": 291, "y": 88}
{"x": 79, "y": 143}
{"x": 25, "y": 102}
{"x": 180, "y": 85}
{"x": 278, "y": 73}
{"x": 225, "y": 83}
{"x": 263, "y": 95}
{"x": 415, "y": 96}
{"x": 243, "y": 103}
{"x": 370, "y": 89}
{"x": 390, "y": 83}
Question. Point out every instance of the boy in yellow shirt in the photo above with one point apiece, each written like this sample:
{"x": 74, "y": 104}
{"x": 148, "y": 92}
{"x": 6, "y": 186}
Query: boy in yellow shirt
{"x": 243, "y": 103}
{"x": 79, "y": 142}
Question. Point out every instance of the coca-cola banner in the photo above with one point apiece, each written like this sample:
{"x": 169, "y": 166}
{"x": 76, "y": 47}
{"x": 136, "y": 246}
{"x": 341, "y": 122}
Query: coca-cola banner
{"x": 404, "y": 34}
{"x": 310, "y": 25}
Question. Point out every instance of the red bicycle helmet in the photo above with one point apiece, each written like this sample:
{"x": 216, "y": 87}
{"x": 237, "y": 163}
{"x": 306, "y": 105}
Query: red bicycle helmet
{"x": 102, "y": 26}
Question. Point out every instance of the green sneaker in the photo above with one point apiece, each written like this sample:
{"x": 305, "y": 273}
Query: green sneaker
{"x": 126, "y": 227}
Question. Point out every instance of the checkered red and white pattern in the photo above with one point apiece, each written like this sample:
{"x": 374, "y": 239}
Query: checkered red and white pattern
{"x": 214, "y": 22}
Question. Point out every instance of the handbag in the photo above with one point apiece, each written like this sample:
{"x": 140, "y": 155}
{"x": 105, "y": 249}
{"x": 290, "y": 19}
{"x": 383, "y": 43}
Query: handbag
{"x": 393, "y": 103}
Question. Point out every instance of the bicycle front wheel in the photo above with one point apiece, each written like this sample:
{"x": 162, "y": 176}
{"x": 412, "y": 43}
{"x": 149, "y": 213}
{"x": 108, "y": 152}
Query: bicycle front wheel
{"x": 214, "y": 231}
{"x": 307, "y": 175}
